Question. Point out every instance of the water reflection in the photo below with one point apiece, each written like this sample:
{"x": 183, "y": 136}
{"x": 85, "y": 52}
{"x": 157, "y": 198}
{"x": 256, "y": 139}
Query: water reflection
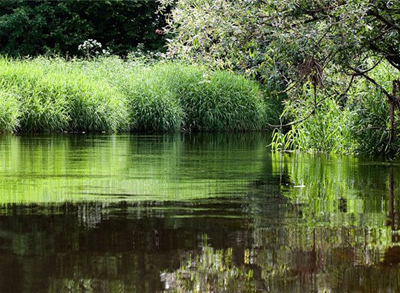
{"x": 194, "y": 213}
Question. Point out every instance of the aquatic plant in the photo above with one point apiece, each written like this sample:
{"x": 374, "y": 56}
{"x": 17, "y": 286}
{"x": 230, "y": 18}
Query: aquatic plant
{"x": 358, "y": 121}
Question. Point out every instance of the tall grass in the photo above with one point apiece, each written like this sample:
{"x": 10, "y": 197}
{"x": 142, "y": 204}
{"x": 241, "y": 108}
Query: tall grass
{"x": 325, "y": 129}
{"x": 371, "y": 123}
{"x": 55, "y": 100}
{"x": 9, "y": 111}
{"x": 173, "y": 96}
{"x": 212, "y": 101}
{"x": 335, "y": 123}
{"x": 108, "y": 94}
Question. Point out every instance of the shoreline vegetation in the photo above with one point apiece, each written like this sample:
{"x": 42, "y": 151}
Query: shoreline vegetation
{"x": 108, "y": 94}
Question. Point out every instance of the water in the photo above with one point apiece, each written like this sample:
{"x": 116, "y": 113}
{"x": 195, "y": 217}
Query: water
{"x": 220, "y": 213}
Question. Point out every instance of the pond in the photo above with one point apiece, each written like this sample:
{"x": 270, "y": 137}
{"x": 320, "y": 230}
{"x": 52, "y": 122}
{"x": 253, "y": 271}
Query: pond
{"x": 204, "y": 212}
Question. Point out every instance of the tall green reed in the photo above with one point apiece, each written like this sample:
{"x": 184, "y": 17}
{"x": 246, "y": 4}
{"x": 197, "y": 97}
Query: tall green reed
{"x": 9, "y": 111}
{"x": 109, "y": 94}
{"x": 61, "y": 98}
{"x": 213, "y": 101}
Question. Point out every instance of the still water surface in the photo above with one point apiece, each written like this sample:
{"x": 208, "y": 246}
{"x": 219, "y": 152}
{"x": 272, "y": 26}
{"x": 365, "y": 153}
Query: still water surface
{"x": 205, "y": 213}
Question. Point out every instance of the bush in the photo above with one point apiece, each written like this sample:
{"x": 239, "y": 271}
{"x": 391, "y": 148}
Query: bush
{"x": 31, "y": 28}
{"x": 326, "y": 129}
{"x": 371, "y": 123}
{"x": 358, "y": 122}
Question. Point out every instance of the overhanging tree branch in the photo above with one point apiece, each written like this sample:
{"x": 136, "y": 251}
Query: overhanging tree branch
{"x": 364, "y": 74}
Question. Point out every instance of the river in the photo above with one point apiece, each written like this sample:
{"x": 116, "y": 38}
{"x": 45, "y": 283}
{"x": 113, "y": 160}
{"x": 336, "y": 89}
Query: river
{"x": 193, "y": 212}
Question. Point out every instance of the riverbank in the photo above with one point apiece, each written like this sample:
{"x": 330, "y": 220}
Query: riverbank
{"x": 112, "y": 95}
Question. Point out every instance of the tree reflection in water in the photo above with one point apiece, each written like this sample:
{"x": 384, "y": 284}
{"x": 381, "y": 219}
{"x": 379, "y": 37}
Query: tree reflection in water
{"x": 210, "y": 271}
{"x": 338, "y": 233}
{"x": 121, "y": 214}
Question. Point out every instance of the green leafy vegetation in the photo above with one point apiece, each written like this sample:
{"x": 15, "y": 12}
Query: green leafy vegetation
{"x": 356, "y": 122}
{"x": 9, "y": 111}
{"x": 52, "y": 99}
{"x": 57, "y": 27}
{"x": 335, "y": 64}
{"x": 108, "y": 94}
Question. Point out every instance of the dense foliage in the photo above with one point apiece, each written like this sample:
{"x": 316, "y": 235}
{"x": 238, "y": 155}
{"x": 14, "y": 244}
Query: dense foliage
{"x": 316, "y": 50}
{"x": 109, "y": 94}
{"x": 39, "y": 27}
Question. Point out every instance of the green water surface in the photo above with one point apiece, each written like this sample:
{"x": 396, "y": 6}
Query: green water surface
{"x": 193, "y": 213}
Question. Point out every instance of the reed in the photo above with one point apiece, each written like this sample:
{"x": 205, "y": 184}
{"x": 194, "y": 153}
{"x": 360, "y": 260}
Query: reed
{"x": 9, "y": 111}
{"x": 213, "y": 101}
{"x": 55, "y": 100}
{"x": 109, "y": 94}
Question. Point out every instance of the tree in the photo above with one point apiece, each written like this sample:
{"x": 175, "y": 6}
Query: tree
{"x": 285, "y": 44}
{"x": 38, "y": 27}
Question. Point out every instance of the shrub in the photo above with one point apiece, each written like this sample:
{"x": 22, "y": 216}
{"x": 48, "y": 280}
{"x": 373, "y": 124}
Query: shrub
{"x": 371, "y": 123}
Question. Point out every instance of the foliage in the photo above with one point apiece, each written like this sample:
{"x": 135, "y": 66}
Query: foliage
{"x": 214, "y": 101}
{"x": 324, "y": 130}
{"x": 108, "y": 94}
{"x": 152, "y": 105}
{"x": 275, "y": 39}
{"x": 370, "y": 125}
{"x": 327, "y": 45}
{"x": 52, "y": 99}
{"x": 166, "y": 96}
{"x": 355, "y": 122}
{"x": 38, "y": 27}
{"x": 9, "y": 111}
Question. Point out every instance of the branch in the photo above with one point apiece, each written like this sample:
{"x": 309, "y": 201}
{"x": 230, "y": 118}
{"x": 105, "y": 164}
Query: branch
{"x": 368, "y": 70}
{"x": 363, "y": 74}
{"x": 372, "y": 128}
{"x": 301, "y": 120}
{"x": 393, "y": 63}
{"x": 349, "y": 86}
{"x": 384, "y": 20}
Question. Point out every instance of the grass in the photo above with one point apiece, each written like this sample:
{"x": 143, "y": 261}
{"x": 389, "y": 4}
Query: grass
{"x": 108, "y": 95}
{"x": 355, "y": 122}
{"x": 52, "y": 100}
{"x": 214, "y": 101}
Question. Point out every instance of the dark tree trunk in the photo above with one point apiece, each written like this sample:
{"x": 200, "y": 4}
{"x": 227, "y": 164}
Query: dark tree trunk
{"x": 393, "y": 104}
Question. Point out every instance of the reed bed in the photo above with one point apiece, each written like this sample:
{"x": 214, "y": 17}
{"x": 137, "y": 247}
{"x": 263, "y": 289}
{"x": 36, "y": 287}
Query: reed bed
{"x": 109, "y": 94}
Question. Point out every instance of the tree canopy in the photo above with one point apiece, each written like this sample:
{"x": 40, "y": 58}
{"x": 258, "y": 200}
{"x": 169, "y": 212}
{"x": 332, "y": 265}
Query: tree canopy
{"x": 38, "y": 27}
{"x": 323, "y": 44}
{"x": 251, "y": 36}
